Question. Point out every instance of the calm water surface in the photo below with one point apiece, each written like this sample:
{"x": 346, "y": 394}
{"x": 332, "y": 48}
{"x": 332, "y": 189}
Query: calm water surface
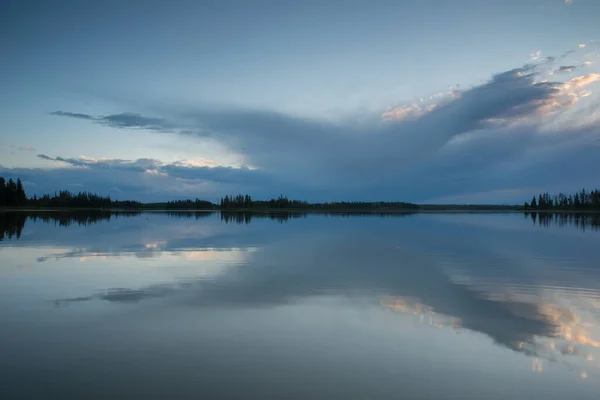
{"x": 201, "y": 305}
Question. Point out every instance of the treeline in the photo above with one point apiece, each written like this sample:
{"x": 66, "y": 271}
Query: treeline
{"x": 245, "y": 201}
{"x": 365, "y": 205}
{"x": 583, "y": 200}
{"x": 282, "y": 202}
{"x": 181, "y": 205}
{"x": 80, "y": 200}
{"x": 12, "y": 194}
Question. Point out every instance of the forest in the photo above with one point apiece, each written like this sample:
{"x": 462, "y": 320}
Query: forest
{"x": 582, "y": 200}
{"x": 13, "y": 195}
{"x": 245, "y": 202}
{"x": 180, "y": 205}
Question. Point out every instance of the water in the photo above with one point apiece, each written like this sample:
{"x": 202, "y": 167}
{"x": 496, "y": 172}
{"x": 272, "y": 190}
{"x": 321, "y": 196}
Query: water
{"x": 202, "y": 305}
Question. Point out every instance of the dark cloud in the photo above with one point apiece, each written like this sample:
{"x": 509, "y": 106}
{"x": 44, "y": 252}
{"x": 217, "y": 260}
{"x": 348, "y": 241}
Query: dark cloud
{"x": 72, "y": 115}
{"x": 135, "y": 121}
{"x": 123, "y": 120}
{"x": 45, "y": 157}
{"x": 567, "y": 53}
{"x": 565, "y": 68}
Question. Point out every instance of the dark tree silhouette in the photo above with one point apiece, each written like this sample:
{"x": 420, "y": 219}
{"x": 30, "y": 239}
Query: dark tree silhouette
{"x": 582, "y": 200}
{"x": 2, "y": 192}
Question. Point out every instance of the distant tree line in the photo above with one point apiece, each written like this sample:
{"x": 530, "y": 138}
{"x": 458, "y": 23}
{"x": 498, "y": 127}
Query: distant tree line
{"x": 65, "y": 198}
{"x": 12, "y": 194}
{"x": 282, "y": 202}
{"x": 365, "y": 205}
{"x": 583, "y": 200}
{"x": 181, "y": 205}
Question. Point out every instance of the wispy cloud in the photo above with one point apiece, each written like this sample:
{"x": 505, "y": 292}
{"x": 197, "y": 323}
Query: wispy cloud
{"x": 199, "y": 169}
{"x": 122, "y": 120}
{"x": 565, "y": 68}
{"x": 72, "y": 115}
{"x": 28, "y": 148}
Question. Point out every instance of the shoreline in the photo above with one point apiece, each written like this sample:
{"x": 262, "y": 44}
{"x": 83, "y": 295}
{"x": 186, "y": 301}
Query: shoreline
{"x": 439, "y": 210}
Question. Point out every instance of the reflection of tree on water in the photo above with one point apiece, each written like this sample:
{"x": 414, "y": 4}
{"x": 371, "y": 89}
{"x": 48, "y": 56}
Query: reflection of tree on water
{"x": 590, "y": 221}
{"x": 189, "y": 214}
{"x": 13, "y": 223}
{"x": 246, "y": 217}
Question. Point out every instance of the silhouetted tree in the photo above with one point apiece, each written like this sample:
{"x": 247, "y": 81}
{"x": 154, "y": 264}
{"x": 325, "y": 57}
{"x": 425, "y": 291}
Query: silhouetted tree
{"x": 11, "y": 194}
{"x": 2, "y": 192}
{"x": 584, "y": 199}
{"x": 21, "y": 196}
{"x": 534, "y": 203}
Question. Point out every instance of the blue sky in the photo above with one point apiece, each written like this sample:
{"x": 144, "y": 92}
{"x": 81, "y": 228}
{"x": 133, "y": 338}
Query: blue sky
{"x": 462, "y": 101}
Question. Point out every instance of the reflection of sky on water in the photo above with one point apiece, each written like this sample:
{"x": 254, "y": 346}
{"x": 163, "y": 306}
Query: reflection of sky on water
{"x": 533, "y": 291}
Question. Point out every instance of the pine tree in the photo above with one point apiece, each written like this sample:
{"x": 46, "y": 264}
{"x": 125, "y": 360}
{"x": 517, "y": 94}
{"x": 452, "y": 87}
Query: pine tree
{"x": 2, "y": 192}
{"x": 21, "y": 196}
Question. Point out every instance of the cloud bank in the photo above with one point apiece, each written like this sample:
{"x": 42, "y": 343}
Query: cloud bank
{"x": 518, "y": 132}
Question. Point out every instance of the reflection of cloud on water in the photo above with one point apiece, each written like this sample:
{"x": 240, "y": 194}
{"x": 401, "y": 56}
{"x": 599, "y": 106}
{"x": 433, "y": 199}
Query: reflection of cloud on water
{"x": 152, "y": 251}
{"x": 122, "y": 295}
{"x": 475, "y": 279}
{"x": 569, "y": 338}
{"x": 413, "y": 306}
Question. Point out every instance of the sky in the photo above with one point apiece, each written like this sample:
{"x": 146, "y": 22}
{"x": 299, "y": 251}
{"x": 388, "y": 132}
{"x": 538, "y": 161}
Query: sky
{"x": 462, "y": 101}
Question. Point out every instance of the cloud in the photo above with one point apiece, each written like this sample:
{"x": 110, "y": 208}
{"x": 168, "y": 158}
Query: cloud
{"x": 581, "y": 81}
{"x": 72, "y": 115}
{"x": 565, "y": 68}
{"x": 135, "y": 121}
{"x": 484, "y": 140}
{"x": 28, "y": 148}
{"x": 569, "y": 2}
{"x": 191, "y": 170}
{"x": 122, "y": 120}
{"x": 407, "y": 112}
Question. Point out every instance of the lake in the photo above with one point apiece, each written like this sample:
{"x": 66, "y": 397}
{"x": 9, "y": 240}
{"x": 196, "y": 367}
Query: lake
{"x": 299, "y": 306}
